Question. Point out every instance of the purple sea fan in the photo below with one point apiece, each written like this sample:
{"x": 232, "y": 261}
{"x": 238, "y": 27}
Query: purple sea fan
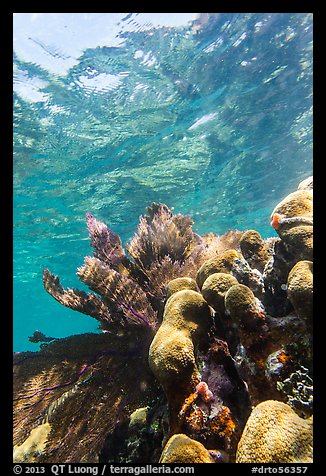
{"x": 132, "y": 292}
{"x": 75, "y": 299}
{"x": 107, "y": 245}
{"x": 162, "y": 234}
{"x": 123, "y": 296}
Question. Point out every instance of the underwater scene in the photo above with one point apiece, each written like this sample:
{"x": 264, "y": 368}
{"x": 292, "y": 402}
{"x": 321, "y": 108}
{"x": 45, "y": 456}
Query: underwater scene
{"x": 163, "y": 238}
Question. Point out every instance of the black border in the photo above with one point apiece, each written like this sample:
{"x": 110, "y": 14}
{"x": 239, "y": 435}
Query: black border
{"x": 6, "y": 80}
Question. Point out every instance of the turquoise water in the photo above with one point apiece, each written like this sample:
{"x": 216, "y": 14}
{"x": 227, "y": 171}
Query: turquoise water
{"x": 210, "y": 114}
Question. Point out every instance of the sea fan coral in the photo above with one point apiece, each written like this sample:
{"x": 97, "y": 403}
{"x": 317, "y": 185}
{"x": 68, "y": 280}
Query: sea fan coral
{"x": 118, "y": 292}
{"x": 89, "y": 304}
{"x": 132, "y": 291}
{"x": 162, "y": 234}
{"x": 107, "y": 245}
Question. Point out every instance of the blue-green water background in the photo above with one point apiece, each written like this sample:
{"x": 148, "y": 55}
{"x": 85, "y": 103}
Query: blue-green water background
{"x": 113, "y": 111}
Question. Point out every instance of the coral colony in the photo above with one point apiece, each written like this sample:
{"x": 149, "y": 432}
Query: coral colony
{"x": 205, "y": 354}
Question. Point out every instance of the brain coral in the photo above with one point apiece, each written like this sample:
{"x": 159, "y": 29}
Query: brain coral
{"x": 178, "y": 284}
{"x": 245, "y": 310}
{"x": 300, "y": 288}
{"x": 186, "y": 320}
{"x": 254, "y": 249}
{"x": 182, "y": 449}
{"x": 215, "y": 288}
{"x": 274, "y": 433}
{"x": 171, "y": 354}
{"x": 221, "y": 264}
{"x": 292, "y": 218}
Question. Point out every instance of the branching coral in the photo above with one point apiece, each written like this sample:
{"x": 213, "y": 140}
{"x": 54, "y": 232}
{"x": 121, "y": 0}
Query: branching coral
{"x": 107, "y": 245}
{"x": 118, "y": 292}
{"x": 77, "y": 300}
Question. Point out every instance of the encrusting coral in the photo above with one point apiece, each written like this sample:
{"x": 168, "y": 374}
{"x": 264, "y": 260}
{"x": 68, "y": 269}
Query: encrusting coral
{"x": 197, "y": 331}
{"x": 274, "y": 433}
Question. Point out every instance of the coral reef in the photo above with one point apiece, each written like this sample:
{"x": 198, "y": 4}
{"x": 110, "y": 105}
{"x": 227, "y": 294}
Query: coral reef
{"x": 274, "y": 433}
{"x": 197, "y": 330}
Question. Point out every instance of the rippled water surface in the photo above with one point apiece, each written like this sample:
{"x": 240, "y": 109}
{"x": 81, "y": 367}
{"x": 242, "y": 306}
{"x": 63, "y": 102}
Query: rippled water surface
{"x": 208, "y": 113}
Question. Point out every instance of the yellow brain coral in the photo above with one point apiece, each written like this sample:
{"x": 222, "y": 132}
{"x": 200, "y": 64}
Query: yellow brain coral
{"x": 254, "y": 249}
{"x": 300, "y": 288}
{"x": 186, "y": 320}
{"x": 274, "y": 433}
{"x": 178, "y": 284}
{"x": 171, "y": 354}
{"x": 215, "y": 288}
{"x": 182, "y": 449}
{"x": 220, "y": 264}
{"x": 293, "y": 220}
